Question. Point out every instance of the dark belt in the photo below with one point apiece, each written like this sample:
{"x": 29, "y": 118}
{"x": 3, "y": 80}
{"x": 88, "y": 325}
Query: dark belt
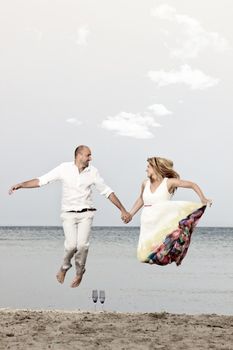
{"x": 81, "y": 211}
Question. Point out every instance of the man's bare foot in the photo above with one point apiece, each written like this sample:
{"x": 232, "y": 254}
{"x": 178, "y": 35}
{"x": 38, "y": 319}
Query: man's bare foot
{"x": 76, "y": 281}
{"x": 61, "y": 275}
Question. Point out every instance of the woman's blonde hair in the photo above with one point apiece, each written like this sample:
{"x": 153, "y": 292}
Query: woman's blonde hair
{"x": 163, "y": 167}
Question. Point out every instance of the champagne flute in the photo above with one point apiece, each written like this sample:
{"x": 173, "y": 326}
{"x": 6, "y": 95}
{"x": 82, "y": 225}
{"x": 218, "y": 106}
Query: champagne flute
{"x": 102, "y": 297}
{"x": 95, "y": 296}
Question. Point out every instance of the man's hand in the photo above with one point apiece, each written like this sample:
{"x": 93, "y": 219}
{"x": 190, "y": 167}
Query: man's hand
{"x": 26, "y": 184}
{"x": 14, "y": 188}
{"x": 126, "y": 217}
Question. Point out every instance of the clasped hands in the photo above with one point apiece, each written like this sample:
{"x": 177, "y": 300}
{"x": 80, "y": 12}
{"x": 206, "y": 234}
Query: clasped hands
{"x": 126, "y": 217}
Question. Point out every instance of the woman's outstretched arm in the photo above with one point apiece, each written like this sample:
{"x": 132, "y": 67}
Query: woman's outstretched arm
{"x": 139, "y": 202}
{"x": 175, "y": 183}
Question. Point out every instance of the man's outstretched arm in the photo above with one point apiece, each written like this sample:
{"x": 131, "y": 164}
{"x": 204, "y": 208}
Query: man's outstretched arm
{"x": 108, "y": 193}
{"x": 26, "y": 184}
{"x": 126, "y": 217}
{"x": 51, "y": 176}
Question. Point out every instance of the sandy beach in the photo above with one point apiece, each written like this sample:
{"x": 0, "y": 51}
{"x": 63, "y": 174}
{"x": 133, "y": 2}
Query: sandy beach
{"x": 60, "y": 330}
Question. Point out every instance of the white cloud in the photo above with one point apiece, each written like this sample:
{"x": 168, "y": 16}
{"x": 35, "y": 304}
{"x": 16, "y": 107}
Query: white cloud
{"x": 196, "y": 37}
{"x": 194, "y": 78}
{"x": 159, "y": 109}
{"x": 164, "y": 11}
{"x": 74, "y": 121}
{"x": 131, "y": 125}
{"x": 83, "y": 33}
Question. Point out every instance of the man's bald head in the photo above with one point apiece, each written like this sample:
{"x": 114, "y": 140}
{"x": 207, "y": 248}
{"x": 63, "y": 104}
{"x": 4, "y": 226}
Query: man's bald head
{"x": 82, "y": 156}
{"x": 80, "y": 150}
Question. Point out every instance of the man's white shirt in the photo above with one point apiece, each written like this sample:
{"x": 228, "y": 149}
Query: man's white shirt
{"x": 76, "y": 191}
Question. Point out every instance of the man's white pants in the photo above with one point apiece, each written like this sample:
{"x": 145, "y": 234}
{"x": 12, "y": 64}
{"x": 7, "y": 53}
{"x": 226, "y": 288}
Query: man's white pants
{"x": 77, "y": 228}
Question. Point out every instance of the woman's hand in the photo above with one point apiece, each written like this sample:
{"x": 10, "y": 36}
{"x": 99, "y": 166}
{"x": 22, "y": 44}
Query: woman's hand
{"x": 126, "y": 217}
{"x": 207, "y": 201}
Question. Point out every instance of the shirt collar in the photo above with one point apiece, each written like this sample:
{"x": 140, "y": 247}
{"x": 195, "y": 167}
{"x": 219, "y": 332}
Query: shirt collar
{"x": 87, "y": 169}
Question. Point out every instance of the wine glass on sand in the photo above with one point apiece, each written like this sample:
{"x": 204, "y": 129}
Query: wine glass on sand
{"x": 102, "y": 297}
{"x": 95, "y": 296}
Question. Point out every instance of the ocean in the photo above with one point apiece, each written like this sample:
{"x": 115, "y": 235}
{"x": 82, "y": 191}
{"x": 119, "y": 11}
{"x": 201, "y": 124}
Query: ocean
{"x": 31, "y": 256}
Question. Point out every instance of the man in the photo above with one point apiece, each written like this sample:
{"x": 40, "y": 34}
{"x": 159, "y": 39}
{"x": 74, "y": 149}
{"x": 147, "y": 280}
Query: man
{"x": 77, "y": 207}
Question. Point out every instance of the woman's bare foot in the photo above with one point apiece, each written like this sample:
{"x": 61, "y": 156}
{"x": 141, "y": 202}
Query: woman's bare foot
{"x": 61, "y": 275}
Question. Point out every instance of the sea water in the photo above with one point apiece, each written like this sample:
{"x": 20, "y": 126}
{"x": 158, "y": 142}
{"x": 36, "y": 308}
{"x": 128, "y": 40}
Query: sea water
{"x": 31, "y": 256}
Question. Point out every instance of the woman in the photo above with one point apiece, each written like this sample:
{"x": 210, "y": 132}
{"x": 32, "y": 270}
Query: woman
{"x": 166, "y": 226}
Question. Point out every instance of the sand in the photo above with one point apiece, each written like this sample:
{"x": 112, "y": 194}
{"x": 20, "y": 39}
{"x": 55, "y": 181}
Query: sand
{"x": 63, "y": 330}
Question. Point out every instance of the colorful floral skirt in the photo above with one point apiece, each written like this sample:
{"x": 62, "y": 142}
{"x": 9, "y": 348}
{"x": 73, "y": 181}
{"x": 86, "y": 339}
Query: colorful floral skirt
{"x": 166, "y": 230}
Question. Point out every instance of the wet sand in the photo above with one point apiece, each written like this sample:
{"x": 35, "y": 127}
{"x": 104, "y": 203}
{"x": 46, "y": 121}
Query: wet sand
{"x": 64, "y": 330}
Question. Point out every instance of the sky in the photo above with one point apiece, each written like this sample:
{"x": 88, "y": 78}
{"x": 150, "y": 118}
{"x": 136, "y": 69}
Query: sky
{"x": 131, "y": 79}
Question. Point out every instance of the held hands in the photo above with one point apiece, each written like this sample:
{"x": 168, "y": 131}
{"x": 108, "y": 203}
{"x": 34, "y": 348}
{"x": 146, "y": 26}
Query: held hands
{"x": 126, "y": 217}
